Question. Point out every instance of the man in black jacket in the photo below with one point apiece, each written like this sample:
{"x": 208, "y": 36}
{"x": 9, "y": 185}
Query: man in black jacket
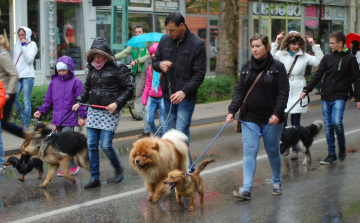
{"x": 181, "y": 57}
{"x": 341, "y": 70}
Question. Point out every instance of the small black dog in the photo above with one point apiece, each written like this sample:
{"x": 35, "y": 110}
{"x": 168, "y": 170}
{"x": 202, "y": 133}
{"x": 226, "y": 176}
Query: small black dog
{"x": 301, "y": 137}
{"x": 26, "y": 168}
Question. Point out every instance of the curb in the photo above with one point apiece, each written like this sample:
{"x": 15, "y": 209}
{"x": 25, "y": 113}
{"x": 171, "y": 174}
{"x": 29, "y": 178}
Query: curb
{"x": 139, "y": 131}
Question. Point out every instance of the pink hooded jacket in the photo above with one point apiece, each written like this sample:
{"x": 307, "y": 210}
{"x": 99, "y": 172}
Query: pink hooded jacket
{"x": 148, "y": 91}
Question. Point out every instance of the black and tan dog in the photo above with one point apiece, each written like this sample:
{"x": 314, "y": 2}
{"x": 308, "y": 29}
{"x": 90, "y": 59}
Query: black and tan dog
{"x": 57, "y": 150}
{"x": 187, "y": 184}
{"x": 25, "y": 168}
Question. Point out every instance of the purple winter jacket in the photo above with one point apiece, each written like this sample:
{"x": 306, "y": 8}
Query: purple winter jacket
{"x": 62, "y": 92}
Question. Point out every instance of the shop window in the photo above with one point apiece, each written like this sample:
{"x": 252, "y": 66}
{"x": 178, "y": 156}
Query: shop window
{"x": 69, "y": 33}
{"x": 140, "y": 19}
{"x": 294, "y": 25}
{"x": 278, "y": 26}
{"x": 214, "y": 40}
{"x": 264, "y": 26}
{"x": 196, "y": 7}
{"x": 34, "y": 25}
{"x": 244, "y": 42}
{"x": 103, "y": 25}
{"x": 337, "y": 26}
{"x": 214, "y": 7}
{"x": 160, "y": 23}
{"x": 167, "y": 5}
{"x": 4, "y": 22}
{"x": 140, "y": 3}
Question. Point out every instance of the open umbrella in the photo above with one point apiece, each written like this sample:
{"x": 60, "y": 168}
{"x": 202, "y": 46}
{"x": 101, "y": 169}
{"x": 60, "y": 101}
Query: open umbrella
{"x": 139, "y": 41}
{"x": 351, "y": 37}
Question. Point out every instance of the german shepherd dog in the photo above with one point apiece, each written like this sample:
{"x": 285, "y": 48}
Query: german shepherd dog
{"x": 57, "y": 149}
{"x": 26, "y": 168}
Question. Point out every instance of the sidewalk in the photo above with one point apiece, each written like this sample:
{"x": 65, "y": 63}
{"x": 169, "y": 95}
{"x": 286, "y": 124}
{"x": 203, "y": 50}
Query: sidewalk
{"x": 203, "y": 114}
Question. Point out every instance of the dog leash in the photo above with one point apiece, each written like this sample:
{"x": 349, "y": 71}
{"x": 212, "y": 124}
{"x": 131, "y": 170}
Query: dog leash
{"x": 300, "y": 99}
{"x": 61, "y": 123}
{"x": 93, "y": 106}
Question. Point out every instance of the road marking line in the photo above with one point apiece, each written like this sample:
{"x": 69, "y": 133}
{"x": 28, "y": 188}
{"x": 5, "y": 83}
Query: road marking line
{"x": 141, "y": 190}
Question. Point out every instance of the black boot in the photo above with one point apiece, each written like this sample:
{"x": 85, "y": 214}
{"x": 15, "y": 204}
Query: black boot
{"x": 93, "y": 183}
{"x": 342, "y": 153}
{"x": 119, "y": 175}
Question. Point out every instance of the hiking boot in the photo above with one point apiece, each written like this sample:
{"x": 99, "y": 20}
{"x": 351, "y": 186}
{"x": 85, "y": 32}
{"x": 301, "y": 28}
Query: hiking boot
{"x": 242, "y": 194}
{"x": 329, "y": 159}
{"x": 277, "y": 189}
{"x": 342, "y": 153}
{"x": 74, "y": 170}
{"x": 144, "y": 135}
{"x": 294, "y": 156}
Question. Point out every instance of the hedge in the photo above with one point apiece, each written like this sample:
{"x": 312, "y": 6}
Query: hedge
{"x": 216, "y": 88}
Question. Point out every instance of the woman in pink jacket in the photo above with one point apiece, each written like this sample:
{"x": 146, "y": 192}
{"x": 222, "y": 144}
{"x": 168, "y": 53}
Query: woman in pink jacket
{"x": 153, "y": 96}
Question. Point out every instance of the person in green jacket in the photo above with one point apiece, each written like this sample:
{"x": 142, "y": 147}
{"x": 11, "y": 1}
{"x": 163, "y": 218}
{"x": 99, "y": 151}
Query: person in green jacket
{"x": 139, "y": 55}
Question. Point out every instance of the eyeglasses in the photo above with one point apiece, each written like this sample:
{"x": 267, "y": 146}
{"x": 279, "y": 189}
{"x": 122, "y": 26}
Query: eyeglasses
{"x": 332, "y": 43}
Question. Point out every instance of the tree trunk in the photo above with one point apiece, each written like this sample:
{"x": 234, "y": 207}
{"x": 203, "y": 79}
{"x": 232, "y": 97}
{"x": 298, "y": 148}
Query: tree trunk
{"x": 228, "y": 51}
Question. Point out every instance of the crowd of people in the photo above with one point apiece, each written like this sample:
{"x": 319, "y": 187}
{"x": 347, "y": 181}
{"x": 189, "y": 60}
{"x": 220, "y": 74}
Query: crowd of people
{"x": 167, "y": 77}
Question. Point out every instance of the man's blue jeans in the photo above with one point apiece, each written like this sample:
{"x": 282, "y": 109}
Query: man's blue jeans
{"x": 25, "y": 84}
{"x": 333, "y": 112}
{"x": 153, "y": 105}
{"x": 2, "y": 155}
{"x": 93, "y": 138}
{"x": 180, "y": 116}
{"x": 251, "y": 141}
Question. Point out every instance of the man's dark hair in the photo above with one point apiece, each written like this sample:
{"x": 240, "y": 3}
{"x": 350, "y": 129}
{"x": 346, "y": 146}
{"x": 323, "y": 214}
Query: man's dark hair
{"x": 142, "y": 27}
{"x": 339, "y": 36}
{"x": 176, "y": 18}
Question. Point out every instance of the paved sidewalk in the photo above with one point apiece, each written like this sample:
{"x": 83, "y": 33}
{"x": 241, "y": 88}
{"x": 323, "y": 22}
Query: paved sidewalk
{"x": 203, "y": 114}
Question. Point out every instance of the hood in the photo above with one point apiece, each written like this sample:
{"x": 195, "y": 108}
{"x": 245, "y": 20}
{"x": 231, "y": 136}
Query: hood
{"x": 153, "y": 48}
{"x": 68, "y": 61}
{"x": 291, "y": 35}
{"x": 28, "y": 33}
{"x": 99, "y": 46}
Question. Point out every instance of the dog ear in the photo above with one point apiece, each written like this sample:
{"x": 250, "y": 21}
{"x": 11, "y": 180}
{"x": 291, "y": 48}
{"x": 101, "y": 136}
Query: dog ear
{"x": 156, "y": 146}
{"x": 182, "y": 175}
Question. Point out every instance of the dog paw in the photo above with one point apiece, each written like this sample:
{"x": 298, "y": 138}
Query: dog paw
{"x": 42, "y": 185}
{"x": 191, "y": 208}
{"x": 21, "y": 179}
{"x": 149, "y": 198}
{"x": 181, "y": 204}
{"x": 39, "y": 177}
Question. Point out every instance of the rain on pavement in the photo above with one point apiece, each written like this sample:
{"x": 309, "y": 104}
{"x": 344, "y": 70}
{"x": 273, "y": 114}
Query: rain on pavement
{"x": 311, "y": 193}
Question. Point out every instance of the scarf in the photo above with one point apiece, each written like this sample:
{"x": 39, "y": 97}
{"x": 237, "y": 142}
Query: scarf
{"x": 260, "y": 65}
{"x": 291, "y": 53}
{"x": 155, "y": 81}
{"x": 98, "y": 66}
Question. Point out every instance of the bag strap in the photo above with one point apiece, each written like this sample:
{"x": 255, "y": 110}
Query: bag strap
{"x": 292, "y": 66}
{"x": 252, "y": 86}
{"x": 21, "y": 54}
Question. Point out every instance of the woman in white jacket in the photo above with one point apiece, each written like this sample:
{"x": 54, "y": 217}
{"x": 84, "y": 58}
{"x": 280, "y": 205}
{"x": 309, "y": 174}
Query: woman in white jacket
{"x": 294, "y": 45}
{"x": 24, "y": 54}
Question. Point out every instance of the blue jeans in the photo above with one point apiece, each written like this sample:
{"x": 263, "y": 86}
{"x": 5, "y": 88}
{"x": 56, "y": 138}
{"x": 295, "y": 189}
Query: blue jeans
{"x": 2, "y": 155}
{"x": 153, "y": 105}
{"x": 251, "y": 142}
{"x": 93, "y": 138}
{"x": 333, "y": 112}
{"x": 147, "y": 128}
{"x": 180, "y": 116}
{"x": 25, "y": 84}
{"x": 295, "y": 121}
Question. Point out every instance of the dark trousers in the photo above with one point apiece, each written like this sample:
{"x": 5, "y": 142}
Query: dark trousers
{"x": 14, "y": 129}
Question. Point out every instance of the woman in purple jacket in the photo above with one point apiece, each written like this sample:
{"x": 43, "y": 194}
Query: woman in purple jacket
{"x": 64, "y": 88}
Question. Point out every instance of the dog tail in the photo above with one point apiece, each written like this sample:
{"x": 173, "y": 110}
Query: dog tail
{"x": 179, "y": 140}
{"x": 202, "y": 166}
{"x": 315, "y": 127}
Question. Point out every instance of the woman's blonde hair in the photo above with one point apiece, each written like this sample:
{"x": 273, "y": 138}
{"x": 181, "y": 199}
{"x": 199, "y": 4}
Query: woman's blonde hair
{"x": 264, "y": 39}
{"x": 4, "y": 41}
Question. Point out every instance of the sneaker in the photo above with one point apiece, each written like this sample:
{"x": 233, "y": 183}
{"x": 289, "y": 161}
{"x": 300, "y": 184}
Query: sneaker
{"x": 137, "y": 117}
{"x": 242, "y": 194}
{"x": 277, "y": 189}
{"x": 294, "y": 156}
{"x": 60, "y": 174}
{"x": 73, "y": 170}
{"x": 2, "y": 167}
{"x": 342, "y": 153}
{"x": 329, "y": 159}
{"x": 144, "y": 135}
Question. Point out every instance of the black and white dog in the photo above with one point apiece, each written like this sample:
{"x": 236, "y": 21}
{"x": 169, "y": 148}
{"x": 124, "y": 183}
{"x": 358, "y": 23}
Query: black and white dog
{"x": 301, "y": 137}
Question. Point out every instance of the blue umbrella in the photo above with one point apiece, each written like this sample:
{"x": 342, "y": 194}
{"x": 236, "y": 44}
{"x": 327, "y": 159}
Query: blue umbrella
{"x": 139, "y": 41}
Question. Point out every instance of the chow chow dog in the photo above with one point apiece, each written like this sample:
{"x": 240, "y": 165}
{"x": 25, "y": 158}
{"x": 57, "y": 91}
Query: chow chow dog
{"x": 301, "y": 137}
{"x": 187, "y": 184}
{"x": 25, "y": 168}
{"x": 57, "y": 149}
{"x": 154, "y": 158}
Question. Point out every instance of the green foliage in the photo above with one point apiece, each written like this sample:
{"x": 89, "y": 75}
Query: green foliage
{"x": 216, "y": 89}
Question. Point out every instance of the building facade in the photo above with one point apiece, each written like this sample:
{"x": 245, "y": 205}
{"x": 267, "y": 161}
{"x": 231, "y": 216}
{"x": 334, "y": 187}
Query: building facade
{"x": 68, "y": 27}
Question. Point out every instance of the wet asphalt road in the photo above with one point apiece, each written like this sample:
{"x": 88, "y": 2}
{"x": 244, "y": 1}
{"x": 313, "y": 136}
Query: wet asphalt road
{"x": 311, "y": 193}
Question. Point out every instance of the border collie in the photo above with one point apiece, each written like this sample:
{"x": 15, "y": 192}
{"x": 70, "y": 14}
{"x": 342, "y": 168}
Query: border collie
{"x": 301, "y": 137}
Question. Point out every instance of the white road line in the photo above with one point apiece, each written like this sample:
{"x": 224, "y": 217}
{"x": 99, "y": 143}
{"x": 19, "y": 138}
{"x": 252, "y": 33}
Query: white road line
{"x": 141, "y": 190}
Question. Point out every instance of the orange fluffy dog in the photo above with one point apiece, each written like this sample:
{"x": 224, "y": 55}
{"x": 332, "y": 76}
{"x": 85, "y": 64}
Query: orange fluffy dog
{"x": 187, "y": 184}
{"x": 154, "y": 158}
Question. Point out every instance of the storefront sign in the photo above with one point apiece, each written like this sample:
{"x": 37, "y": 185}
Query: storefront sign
{"x": 69, "y": 1}
{"x": 103, "y": 18}
{"x": 166, "y": 5}
{"x": 140, "y": 1}
{"x": 310, "y": 11}
{"x": 311, "y": 23}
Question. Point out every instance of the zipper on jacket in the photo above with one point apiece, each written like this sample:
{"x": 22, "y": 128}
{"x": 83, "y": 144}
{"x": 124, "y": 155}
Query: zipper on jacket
{"x": 340, "y": 63}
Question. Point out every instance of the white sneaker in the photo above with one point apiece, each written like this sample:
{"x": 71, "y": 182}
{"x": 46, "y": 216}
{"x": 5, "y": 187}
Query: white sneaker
{"x": 2, "y": 167}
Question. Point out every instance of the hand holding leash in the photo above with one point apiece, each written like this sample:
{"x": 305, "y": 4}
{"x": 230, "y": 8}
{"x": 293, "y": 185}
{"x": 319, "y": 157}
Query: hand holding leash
{"x": 230, "y": 118}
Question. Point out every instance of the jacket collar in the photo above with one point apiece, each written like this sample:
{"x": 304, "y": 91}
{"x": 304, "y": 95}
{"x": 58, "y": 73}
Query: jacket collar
{"x": 299, "y": 53}
{"x": 187, "y": 32}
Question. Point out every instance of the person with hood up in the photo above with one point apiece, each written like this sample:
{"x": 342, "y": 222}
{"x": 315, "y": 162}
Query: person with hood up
{"x": 355, "y": 50}
{"x": 63, "y": 89}
{"x": 153, "y": 96}
{"x": 107, "y": 84}
{"x": 293, "y": 55}
{"x": 24, "y": 54}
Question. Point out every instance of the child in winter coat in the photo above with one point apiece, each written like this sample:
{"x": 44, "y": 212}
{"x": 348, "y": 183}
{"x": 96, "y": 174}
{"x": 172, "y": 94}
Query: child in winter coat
{"x": 2, "y": 103}
{"x": 63, "y": 89}
{"x": 153, "y": 96}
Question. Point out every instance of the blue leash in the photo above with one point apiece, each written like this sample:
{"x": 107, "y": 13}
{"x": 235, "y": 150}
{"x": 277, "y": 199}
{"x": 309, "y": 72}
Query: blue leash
{"x": 260, "y": 134}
